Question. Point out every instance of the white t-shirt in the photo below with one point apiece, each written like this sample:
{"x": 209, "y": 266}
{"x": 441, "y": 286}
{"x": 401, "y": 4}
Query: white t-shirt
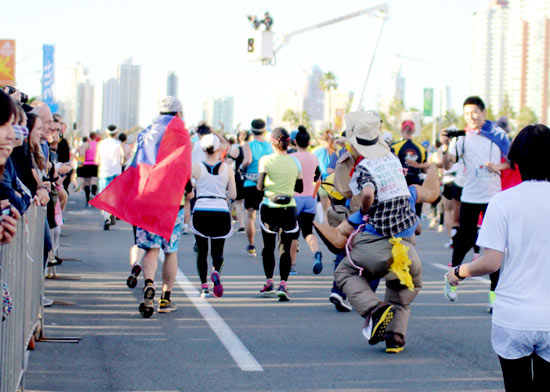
{"x": 110, "y": 157}
{"x": 475, "y": 151}
{"x": 516, "y": 223}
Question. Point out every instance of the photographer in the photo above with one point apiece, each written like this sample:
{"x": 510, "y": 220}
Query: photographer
{"x": 483, "y": 142}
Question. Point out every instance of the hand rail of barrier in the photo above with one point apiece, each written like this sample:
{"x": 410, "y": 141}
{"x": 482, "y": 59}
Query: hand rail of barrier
{"x": 22, "y": 269}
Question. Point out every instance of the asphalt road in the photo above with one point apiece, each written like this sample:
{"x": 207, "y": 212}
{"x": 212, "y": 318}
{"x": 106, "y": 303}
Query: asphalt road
{"x": 242, "y": 341}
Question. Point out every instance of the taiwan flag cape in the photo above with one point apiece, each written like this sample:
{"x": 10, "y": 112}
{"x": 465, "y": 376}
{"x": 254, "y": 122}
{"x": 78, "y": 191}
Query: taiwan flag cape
{"x": 148, "y": 194}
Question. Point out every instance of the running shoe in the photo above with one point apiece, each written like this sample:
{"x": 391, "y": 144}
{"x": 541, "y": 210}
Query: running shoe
{"x": 450, "y": 291}
{"x": 185, "y": 230}
{"x": 46, "y": 301}
{"x": 440, "y": 229}
{"x": 293, "y": 270}
{"x": 317, "y": 263}
{"x": 241, "y": 230}
{"x": 433, "y": 223}
{"x": 132, "y": 279}
{"x": 448, "y": 244}
{"x": 106, "y": 224}
{"x": 282, "y": 293}
{"x": 218, "y": 287}
{"x": 375, "y": 324}
{"x": 492, "y": 297}
{"x": 195, "y": 247}
{"x": 268, "y": 290}
{"x": 146, "y": 308}
{"x": 395, "y": 342}
{"x": 166, "y": 306}
{"x": 341, "y": 304}
{"x": 205, "y": 293}
{"x": 113, "y": 220}
{"x": 251, "y": 249}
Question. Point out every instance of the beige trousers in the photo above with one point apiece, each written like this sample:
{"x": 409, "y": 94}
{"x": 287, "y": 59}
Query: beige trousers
{"x": 373, "y": 254}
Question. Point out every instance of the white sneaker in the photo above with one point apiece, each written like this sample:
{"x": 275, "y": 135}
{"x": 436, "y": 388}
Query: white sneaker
{"x": 46, "y": 301}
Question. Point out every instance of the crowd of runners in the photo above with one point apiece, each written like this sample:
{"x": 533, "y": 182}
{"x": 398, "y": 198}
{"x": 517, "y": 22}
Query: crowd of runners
{"x": 362, "y": 193}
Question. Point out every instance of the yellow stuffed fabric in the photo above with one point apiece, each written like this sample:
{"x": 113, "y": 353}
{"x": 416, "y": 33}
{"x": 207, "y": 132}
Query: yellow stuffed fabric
{"x": 401, "y": 263}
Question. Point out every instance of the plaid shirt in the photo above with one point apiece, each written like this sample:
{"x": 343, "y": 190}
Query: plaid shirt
{"x": 389, "y": 217}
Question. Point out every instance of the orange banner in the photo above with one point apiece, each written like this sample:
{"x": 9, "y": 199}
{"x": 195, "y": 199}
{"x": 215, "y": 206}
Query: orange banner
{"x": 339, "y": 119}
{"x": 7, "y": 62}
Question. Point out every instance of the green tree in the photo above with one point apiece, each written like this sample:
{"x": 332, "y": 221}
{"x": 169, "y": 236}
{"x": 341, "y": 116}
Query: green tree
{"x": 295, "y": 118}
{"x": 327, "y": 83}
{"x": 450, "y": 118}
{"x": 526, "y": 116}
{"x": 490, "y": 114}
{"x": 506, "y": 110}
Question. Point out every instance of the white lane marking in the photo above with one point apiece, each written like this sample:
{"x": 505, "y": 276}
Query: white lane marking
{"x": 446, "y": 268}
{"x": 232, "y": 343}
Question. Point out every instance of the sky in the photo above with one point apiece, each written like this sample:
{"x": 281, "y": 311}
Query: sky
{"x": 205, "y": 43}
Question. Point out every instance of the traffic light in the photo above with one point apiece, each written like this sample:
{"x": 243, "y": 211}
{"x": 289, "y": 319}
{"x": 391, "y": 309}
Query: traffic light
{"x": 250, "y": 45}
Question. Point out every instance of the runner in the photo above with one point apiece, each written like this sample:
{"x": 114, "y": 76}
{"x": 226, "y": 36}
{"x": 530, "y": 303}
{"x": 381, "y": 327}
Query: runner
{"x": 280, "y": 175}
{"x": 236, "y": 155}
{"x": 323, "y": 153}
{"x": 88, "y": 170}
{"x": 152, "y": 242}
{"x": 109, "y": 158}
{"x": 212, "y": 220}
{"x": 306, "y": 204}
{"x": 514, "y": 236}
{"x": 389, "y": 230}
{"x": 253, "y": 151}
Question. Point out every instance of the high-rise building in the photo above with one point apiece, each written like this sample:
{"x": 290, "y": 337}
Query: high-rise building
{"x": 314, "y": 97}
{"x": 510, "y": 55}
{"x": 111, "y": 103}
{"x": 488, "y": 53}
{"x": 85, "y": 107}
{"x": 218, "y": 111}
{"x": 129, "y": 78}
{"x": 172, "y": 84}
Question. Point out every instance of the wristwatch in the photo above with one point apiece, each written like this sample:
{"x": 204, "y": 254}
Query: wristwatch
{"x": 457, "y": 273}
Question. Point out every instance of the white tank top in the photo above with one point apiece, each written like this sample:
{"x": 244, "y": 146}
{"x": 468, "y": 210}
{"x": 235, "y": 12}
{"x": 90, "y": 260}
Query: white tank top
{"x": 211, "y": 189}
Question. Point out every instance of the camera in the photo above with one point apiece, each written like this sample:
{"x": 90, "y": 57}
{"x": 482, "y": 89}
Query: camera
{"x": 456, "y": 132}
{"x": 24, "y": 97}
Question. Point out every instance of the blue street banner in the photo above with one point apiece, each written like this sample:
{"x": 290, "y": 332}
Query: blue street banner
{"x": 48, "y": 77}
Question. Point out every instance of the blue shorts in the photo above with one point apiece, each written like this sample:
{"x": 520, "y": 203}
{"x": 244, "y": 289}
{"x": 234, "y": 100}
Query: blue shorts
{"x": 306, "y": 204}
{"x": 104, "y": 182}
{"x": 147, "y": 240}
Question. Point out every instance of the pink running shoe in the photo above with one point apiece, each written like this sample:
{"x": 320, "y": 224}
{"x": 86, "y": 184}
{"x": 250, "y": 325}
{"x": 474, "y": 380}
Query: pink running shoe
{"x": 218, "y": 287}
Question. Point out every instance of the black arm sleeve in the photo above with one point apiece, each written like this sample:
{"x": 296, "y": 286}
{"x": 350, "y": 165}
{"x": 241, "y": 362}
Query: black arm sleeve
{"x": 299, "y": 185}
{"x": 317, "y": 174}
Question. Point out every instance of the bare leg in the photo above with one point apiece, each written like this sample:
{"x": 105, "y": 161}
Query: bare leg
{"x": 149, "y": 262}
{"x": 250, "y": 225}
{"x": 448, "y": 216}
{"x": 169, "y": 271}
{"x": 325, "y": 203}
{"x": 136, "y": 254}
{"x": 313, "y": 243}
{"x": 293, "y": 249}
{"x": 239, "y": 209}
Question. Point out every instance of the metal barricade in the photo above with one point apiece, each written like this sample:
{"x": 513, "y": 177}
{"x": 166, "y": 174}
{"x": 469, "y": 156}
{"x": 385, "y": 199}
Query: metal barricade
{"x": 23, "y": 271}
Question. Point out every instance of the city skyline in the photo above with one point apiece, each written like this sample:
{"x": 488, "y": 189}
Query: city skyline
{"x": 431, "y": 40}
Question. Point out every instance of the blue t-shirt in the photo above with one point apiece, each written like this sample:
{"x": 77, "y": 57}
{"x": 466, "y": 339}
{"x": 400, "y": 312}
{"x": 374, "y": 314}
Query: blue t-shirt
{"x": 357, "y": 218}
{"x": 324, "y": 159}
{"x": 258, "y": 150}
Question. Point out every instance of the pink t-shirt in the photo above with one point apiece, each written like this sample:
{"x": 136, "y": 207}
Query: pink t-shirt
{"x": 309, "y": 163}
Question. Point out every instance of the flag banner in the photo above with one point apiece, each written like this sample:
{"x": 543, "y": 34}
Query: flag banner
{"x": 148, "y": 194}
{"x": 428, "y": 102}
{"x": 7, "y": 62}
{"x": 48, "y": 76}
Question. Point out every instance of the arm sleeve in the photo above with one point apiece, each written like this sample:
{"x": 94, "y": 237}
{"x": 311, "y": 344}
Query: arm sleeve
{"x": 299, "y": 185}
{"x": 317, "y": 174}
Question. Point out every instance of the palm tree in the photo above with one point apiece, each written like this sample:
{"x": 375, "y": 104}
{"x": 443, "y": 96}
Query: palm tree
{"x": 327, "y": 83}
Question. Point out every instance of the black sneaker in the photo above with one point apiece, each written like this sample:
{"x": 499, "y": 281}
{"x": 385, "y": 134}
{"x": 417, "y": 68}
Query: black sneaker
{"x": 376, "y": 323}
{"x": 106, "y": 224}
{"x": 132, "y": 279}
{"x": 282, "y": 293}
{"x": 146, "y": 308}
{"x": 395, "y": 342}
{"x": 341, "y": 304}
{"x": 113, "y": 220}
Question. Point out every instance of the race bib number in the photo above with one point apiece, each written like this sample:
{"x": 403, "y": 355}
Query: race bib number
{"x": 484, "y": 174}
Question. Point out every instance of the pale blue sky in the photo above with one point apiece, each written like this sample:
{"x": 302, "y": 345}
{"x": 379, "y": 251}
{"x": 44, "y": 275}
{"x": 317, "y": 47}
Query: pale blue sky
{"x": 205, "y": 43}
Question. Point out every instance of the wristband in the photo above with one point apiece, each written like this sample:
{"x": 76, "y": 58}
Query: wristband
{"x": 457, "y": 273}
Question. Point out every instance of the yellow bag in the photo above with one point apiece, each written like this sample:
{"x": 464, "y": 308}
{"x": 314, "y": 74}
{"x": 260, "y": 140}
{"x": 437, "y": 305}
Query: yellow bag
{"x": 328, "y": 185}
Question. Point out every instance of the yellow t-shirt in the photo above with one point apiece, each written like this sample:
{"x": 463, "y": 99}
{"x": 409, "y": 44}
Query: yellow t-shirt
{"x": 281, "y": 170}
